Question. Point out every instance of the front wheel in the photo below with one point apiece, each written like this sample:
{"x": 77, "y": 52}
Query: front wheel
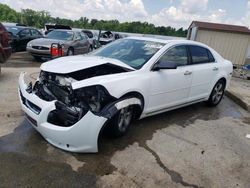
{"x": 217, "y": 93}
{"x": 121, "y": 121}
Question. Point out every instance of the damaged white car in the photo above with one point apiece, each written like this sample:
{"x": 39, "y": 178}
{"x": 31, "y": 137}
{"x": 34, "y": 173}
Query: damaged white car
{"x": 75, "y": 97}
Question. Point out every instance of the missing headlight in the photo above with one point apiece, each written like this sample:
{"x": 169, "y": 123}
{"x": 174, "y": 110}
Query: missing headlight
{"x": 65, "y": 116}
{"x": 95, "y": 97}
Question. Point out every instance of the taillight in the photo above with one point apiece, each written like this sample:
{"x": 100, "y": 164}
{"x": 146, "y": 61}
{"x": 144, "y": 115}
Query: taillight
{"x": 56, "y": 50}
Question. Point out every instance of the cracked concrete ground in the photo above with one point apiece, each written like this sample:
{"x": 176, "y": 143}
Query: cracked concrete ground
{"x": 195, "y": 146}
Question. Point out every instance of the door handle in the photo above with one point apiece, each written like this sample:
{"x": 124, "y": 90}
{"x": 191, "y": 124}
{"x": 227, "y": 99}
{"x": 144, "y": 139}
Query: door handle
{"x": 188, "y": 73}
{"x": 215, "y": 68}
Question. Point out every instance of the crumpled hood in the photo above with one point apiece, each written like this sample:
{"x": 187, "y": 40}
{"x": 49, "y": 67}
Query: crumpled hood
{"x": 45, "y": 42}
{"x": 70, "y": 64}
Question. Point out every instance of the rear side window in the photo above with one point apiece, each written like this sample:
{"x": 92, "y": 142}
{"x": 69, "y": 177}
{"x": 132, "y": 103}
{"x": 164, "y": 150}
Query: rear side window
{"x": 34, "y": 32}
{"x": 200, "y": 55}
{"x": 177, "y": 55}
{"x": 84, "y": 36}
{"x": 89, "y": 34}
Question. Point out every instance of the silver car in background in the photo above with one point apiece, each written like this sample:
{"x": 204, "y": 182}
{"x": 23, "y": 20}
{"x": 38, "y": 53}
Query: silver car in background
{"x": 73, "y": 42}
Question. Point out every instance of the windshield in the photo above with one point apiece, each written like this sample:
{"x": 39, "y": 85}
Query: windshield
{"x": 133, "y": 52}
{"x": 60, "y": 35}
{"x": 13, "y": 30}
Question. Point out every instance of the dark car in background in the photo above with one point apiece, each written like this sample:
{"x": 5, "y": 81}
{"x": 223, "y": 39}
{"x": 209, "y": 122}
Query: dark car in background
{"x": 21, "y": 35}
{"x": 72, "y": 42}
{"x": 5, "y": 49}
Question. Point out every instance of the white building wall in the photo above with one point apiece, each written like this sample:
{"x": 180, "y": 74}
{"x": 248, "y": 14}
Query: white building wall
{"x": 193, "y": 33}
{"x": 231, "y": 46}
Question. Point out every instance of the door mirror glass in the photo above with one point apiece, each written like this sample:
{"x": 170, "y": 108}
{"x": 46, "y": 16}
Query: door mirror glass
{"x": 164, "y": 65}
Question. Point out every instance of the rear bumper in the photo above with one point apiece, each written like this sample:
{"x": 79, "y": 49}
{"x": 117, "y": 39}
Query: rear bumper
{"x": 80, "y": 137}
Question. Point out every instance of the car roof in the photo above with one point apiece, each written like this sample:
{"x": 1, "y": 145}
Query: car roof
{"x": 151, "y": 39}
{"x": 66, "y": 30}
{"x": 19, "y": 27}
{"x": 14, "y": 26}
{"x": 167, "y": 41}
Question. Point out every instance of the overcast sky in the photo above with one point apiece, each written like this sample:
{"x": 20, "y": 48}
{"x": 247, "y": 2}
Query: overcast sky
{"x": 175, "y": 13}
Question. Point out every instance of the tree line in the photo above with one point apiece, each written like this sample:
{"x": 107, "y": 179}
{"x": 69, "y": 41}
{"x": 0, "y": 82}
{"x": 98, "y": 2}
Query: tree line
{"x": 37, "y": 19}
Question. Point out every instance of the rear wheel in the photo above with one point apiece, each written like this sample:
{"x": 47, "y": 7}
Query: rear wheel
{"x": 90, "y": 49}
{"x": 121, "y": 121}
{"x": 217, "y": 93}
{"x": 70, "y": 52}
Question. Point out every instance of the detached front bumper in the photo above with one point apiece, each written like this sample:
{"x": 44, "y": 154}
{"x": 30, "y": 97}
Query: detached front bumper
{"x": 80, "y": 137}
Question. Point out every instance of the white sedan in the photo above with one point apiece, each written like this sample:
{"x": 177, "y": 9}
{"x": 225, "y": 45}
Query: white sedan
{"x": 76, "y": 97}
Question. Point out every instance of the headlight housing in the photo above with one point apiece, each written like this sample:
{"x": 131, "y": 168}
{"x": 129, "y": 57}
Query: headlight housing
{"x": 91, "y": 98}
{"x": 94, "y": 97}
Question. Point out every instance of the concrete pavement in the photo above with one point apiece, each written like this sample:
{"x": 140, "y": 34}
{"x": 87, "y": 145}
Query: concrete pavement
{"x": 239, "y": 91}
{"x": 195, "y": 146}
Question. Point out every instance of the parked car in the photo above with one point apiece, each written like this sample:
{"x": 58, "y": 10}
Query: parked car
{"x": 76, "y": 97}
{"x": 21, "y": 35}
{"x": 92, "y": 39}
{"x": 107, "y": 37}
{"x": 5, "y": 49}
{"x": 73, "y": 42}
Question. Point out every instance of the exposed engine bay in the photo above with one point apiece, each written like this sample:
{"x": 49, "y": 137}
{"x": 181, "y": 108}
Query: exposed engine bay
{"x": 72, "y": 105}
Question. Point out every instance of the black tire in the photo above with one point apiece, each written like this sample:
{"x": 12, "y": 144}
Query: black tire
{"x": 70, "y": 51}
{"x": 37, "y": 58}
{"x": 120, "y": 123}
{"x": 90, "y": 49}
{"x": 217, "y": 93}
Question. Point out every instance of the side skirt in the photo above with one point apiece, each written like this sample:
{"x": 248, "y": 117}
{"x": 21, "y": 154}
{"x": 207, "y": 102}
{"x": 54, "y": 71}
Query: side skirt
{"x": 171, "y": 108}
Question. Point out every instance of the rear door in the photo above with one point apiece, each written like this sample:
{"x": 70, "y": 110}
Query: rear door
{"x": 84, "y": 42}
{"x": 204, "y": 70}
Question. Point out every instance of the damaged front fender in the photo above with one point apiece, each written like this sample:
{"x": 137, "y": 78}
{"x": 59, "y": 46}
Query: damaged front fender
{"x": 110, "y": 110}
{"x": 81, "y": 136}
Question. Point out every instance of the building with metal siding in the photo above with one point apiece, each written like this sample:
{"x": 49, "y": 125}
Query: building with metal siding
{"x": 231, "y": 41}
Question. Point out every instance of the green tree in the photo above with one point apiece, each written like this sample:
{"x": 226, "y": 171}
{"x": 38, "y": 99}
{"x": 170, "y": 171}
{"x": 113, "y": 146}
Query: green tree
{"x": 39, "y": 18}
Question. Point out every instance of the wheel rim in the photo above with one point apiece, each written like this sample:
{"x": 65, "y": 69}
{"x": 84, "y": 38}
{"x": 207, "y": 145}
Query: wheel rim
{"x": 124, "y": 119}
{"x": 217, "y": 93}
{"x": 70, "y": 52}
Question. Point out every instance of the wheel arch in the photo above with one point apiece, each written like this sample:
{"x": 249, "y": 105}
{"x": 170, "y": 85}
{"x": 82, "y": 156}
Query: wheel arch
{"x": 136, "y": 94}
{"x": 223, "y": 79}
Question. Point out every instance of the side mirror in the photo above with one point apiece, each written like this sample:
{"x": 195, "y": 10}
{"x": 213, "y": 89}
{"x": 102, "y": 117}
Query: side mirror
{"x": 164, "y": 65}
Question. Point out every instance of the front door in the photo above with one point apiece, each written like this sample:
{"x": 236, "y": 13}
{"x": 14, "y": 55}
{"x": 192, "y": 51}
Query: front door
{"x": 24, "y": 38}
{"x": 170, "y": 87}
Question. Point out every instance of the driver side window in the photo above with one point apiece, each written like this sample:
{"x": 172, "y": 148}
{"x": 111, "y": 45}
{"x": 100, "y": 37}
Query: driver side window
{"x": 25, "y": 33}
{"x": 177, "y": 55}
